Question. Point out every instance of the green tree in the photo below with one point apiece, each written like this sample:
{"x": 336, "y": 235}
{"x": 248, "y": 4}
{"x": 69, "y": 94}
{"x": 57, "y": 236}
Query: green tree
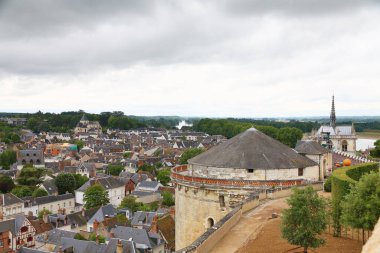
{"x": 7, "y": 158}
{"x": 65, "y": 182}
{"x": 92, "y": 237}
{"x": 43, "y": 212}
{"x": 289, "y": 136}
{"x": 79, "y": 143}
{"x": 6, "y": 184}
{"x": 22, "y": 191}
{"x": 130, "y": 203}
{"x": 115, "y": 169}
{"x": 189, "y": 153}
{"x": 78, "y": 236}
{"x": 80, "y": 180}
{"x": 30, "y": 175}
{"x": 95, "y": 196}
{"x": 361, "y": 206}
{"x": 164, "y": 176}
{"x": 376, "y": 151}
{"x": 168, "y": 199}
{"x": 127, "y": 154}
{"x": 305, "y": 219}
{"x": 39, "y": 192}
{"x": 148, "y": 168}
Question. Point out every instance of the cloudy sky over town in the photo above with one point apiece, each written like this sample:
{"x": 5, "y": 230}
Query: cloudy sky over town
{"x": 243, "y": 58}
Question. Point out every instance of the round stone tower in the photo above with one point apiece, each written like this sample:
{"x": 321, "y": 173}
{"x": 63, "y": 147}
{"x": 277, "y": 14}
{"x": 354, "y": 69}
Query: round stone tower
{"x": 214, "y": 182}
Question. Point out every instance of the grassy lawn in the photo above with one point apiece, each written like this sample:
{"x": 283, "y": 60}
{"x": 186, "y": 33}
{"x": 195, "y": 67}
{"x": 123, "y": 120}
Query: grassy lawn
{"x": 369, "y": 133}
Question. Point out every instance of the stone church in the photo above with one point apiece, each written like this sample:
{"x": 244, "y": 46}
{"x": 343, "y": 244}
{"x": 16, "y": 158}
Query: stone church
{"x": 333, "y": 137}
{"x": 86, "y": 126}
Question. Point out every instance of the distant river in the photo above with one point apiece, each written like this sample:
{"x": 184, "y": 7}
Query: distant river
{"x": 364, "y": 143}
{"x": 183, "y": 123}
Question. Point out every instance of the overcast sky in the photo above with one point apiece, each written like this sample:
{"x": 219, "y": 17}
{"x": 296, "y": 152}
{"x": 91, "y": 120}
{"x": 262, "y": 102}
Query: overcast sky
{"x": 240, "y": 58}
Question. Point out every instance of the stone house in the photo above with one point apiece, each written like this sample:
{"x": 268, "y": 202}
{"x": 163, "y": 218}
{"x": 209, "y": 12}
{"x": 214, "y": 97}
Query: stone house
{"x": 10, "y": 206}
{"x": 64, "y": 203}
{"x": 34, "y": 157}
{"x": 314, "y": 151}
{"x": 16, "y": 233}
{"x": 114, "y": 186}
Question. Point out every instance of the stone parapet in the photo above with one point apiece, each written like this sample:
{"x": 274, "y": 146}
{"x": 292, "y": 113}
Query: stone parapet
{"x": 179, "y": 175}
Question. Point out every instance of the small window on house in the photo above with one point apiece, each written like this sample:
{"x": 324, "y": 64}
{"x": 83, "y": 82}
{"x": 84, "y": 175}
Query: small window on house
{"x": 300, "y": 172}
{"x": 250, "y": 170}
{"x": 221, "y": 201}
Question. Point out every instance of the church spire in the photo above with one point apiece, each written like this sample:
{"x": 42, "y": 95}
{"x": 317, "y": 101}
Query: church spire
{"x": 332, "y": 114}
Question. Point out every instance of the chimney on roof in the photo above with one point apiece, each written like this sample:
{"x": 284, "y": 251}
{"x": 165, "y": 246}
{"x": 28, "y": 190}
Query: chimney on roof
{"x": 45, "y": 217}
{"x": 172, "y": 211}
{"x": 96, "y": 225}
{"x": 119, "y": 247}
{"x": 83, "y": 212}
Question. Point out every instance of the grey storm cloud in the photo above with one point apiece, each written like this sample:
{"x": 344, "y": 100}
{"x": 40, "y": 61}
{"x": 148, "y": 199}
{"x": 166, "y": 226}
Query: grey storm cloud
{"x": 294, "y": 7}
{"x": 71, "y": 36}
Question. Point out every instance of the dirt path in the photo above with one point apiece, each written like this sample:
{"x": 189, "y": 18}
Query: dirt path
{"x": 249, "y": 226}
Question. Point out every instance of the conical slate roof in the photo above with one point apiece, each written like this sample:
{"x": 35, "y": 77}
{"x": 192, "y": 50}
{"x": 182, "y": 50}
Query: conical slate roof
{"x": 84, "y": 118}
{"x": 252, "y": 150}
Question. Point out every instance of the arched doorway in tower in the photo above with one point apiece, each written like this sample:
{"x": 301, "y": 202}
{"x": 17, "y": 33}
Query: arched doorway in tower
{"x": 210, "y": 222}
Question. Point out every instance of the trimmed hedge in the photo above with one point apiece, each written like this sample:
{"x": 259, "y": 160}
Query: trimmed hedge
{"x": 357, "y": 171}
{"x": 341, "y": 180}
{"x": 327, "y": 185}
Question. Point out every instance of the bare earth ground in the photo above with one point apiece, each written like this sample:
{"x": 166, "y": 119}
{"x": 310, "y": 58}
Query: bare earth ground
{"x": 269, "y": 240}
{"x": 256, "y": 232}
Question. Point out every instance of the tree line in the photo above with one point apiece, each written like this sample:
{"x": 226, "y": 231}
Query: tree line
{"x": 229, "y": 128}
{"x": 66, "y": 121}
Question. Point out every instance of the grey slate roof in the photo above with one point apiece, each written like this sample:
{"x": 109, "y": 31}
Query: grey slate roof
{"x": 30, "y": 250}
{"x": 310, "y": 148}
{"x": 79, "y": 246}
{"x": 50, "y": 187}
{"x": 12, "y": 225}
{"x": 9, "y": 199}
{"x": 104, "y": 211}
{"x": 252, "y": 150}
{"x": 142, "y": 218}
{"x": 48, "y": 199}
{"x": 148, "y": 184}
{"x": 54, "y": 236}
{"x": 139, "y": 236}
{"x": 106, "y": 182}
{"x": 80, "y": 220}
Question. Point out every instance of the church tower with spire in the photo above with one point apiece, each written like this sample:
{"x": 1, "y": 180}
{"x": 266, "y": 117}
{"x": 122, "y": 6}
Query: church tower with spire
{"x": 340, "y": 138}
{"x": 332, "y": 114}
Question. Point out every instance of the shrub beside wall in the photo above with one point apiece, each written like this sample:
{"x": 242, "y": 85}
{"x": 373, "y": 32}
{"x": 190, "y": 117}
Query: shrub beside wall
{"x": 341, "y": 180}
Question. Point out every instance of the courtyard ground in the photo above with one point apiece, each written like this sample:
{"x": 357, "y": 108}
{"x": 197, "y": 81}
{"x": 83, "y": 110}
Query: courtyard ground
{"x": 269, "y": 240}
{"x": 257, "y": 232}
